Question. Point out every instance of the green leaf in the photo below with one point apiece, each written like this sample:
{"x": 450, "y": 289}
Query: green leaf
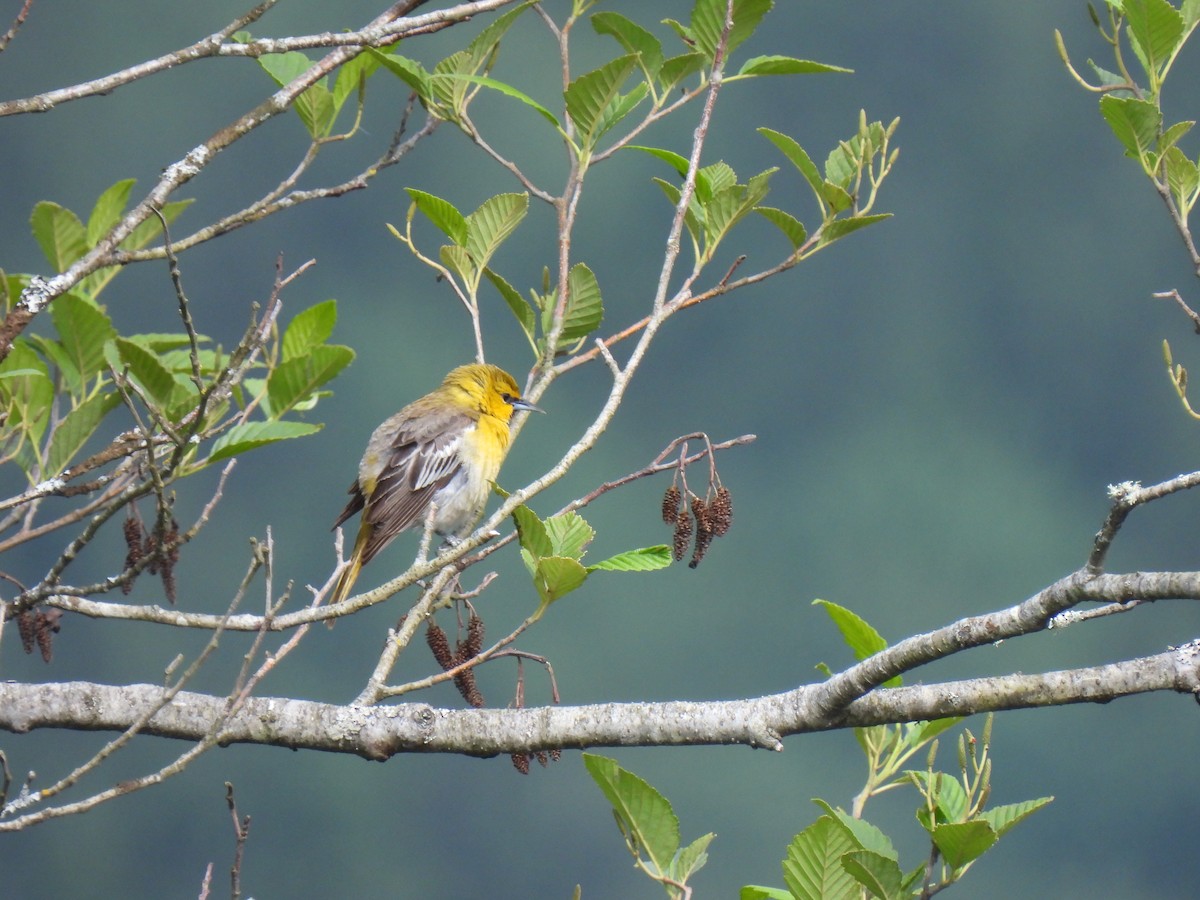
{"x": 677, "y": 162}
{"x": 863, "y": 833}
{"x": 757, "y": 892}
{"x": 729, "y": 206}
{"x": 784, "y": 65}
{"x": 1003, "y": 818}
{"x": 589, "y": 97}
{"x": 556, "y": 576}
{"x": 839, "y": 228}
{"x": 315, "y": 106}
{"x": 949, "y": 798}
{"x": 878, "y": 874}
{"x": 645, "y": 559}
{"x": 1190, "y": 10}
{"x": 797, "y": 157}
{"x": 677, "y": 68}
{"x": 859, "y": 636}
{"x": 634, "y": 38}
{"x": 1183, "y": 177}
{"x": 147, "y": 370}
{"x": 241, "y": 438}
{"x": 813, "y": 869}
{"x": 642, "y": 812}
{"x": 692, "y": 858}
{"x": 59, "y": 233}
{"x": 74, "y": 430}
{"x": 531, "y": 533}
{"x": 1134, "y": 122}
{"x": 569, "y": 534}
{"x": 792, "y": 228}
{"x": 964, "y": 842}
{"x": 526, "y": 315}
{"x": 492, "y": 223}
{"x": 294, "y": 380}
{"x": 109, "y": 208}
{"x": 83, "y": 330}
{"x": 481, "y": 48}
{"x": 507, "y": 89}
{"x": 690, "y": 218}
{"x": 309, "y": 329}
{"x": 28, "y": 397}
{"x": 350, "y": 77}
{"x": 585, "y": 309}
{"x": 1171, "y": 136}
{"x": 918, "y": 733}
{"x": 407, "y": 70}
{"x": 441, "y": 213}
{"x": 1155, "y": 32}
{"x": 708, "y": 23}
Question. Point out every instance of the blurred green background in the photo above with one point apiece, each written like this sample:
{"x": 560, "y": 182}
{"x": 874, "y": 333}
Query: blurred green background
{"x": 939, "y": 400}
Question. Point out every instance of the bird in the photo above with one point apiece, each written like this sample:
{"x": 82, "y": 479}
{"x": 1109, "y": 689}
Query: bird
{"x": 444, "y": 449}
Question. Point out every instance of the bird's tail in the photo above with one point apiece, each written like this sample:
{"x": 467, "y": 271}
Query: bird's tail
{"x": 345, "y": 582}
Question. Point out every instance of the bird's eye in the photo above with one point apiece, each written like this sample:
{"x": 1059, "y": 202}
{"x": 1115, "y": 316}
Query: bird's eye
{"x": 508, "y": 398}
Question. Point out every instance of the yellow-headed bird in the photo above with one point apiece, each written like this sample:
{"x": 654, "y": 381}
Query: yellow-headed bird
{"x": 444, "y": 449}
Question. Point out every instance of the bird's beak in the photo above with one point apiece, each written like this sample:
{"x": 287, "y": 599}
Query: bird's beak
{"x": 526, "y": 405}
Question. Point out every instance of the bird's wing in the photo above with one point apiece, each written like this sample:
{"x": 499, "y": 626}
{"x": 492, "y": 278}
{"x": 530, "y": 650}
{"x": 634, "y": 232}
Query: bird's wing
{"x": 422, "y": 459}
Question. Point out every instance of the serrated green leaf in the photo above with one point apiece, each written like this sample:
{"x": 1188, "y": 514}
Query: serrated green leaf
{"x": 1003, "y": 818}
{"x": 242, "y": 438}
{"x": 708, "y": 23}
{"x": 878, "y": 874}
{"x": 1155, "y": 31}
{"x": 692, "y": 858}
{"x": 526, "y": 315}
{"x": 859, "y": 636}
{"x": 589, "y": 97}
{"x": 729, "y": 206}
{"x": 349, "y": 78}
{"x": 796, "y": 155}
{"x": 294, "y": 380}
{"x": 492, "y": 223}
{"x": 155, "y": 380}
{"x": 691, "y": 219}
{"x": 1190, "y": 10}
{"x": 1134, "y": 122}
{"x": 504, "y": 88}
{"x": 950, "y": 799}
{"x": 792, "y": 228}
{"x": 109, "y": 208}
{"x": 677, "y": 68}
{"x": 569, "y": 535}
{"x": 919, "y": 733}
{"x": 309, "y": 329}
{"x": 839, "y": 228}
{"x": 677, "y": 162}
{"x": 1171, "y": 136}
{"x": 75, "y": 429}
{"x": 481, "y": 48}
{"x": 83, "y": 330}
{"x": 634, "y": 38}
{"x": 1183, "y": 178}
{"x": 315, "y": 106}
{"x": 441, "y": 213}
{"x": 813, "y": 870}
{"x": 27, "y": 398}
{"x": 712, "y": 179}
{"x": 557, "y": 576}
{"x": 531, "y": 533}
{"x": 841, "y": 167}
{"x": 863, "y": 833}
{"x": 784, "y": 65}
{"x": 757, "y": 892}
{"x": 407, "y": 70}
{"x": 162, "y": 342}
{"x": 964, "y": 842}
{"x": 585, "y": 308}
{"x": 59, "y": 233}
{"x": 643, "y": 812}
{"x": 645, "y": 559}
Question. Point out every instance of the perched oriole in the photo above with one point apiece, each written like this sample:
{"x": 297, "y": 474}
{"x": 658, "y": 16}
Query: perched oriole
{"x": 445, "y": 450}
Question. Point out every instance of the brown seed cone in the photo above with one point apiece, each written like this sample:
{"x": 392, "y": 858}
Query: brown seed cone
{"x": 474, "y": 642}
{"x": 465, "y": 682}
{"x": 703, "y": 539}
{"x": 722, "y": 511}
{"x": 703, "y": 514}
{"x": 27, "y": 627}
{"x": 683, "y": 534}
{"x": 46, "y": 626}
{"x": 436, "y": 638}
{"x": 556, "y": 754}
{"x": 670, "y": 504}
{"x": 521, "y": 763}
{"x": 133, "y": 548}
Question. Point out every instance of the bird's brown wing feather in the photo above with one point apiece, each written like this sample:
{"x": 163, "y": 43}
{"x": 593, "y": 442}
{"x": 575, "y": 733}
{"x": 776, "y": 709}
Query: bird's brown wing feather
{"x": 423, "y": 458}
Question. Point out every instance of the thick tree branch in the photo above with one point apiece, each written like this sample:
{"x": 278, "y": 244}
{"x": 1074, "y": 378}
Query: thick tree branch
{"x": 381, "y": 732}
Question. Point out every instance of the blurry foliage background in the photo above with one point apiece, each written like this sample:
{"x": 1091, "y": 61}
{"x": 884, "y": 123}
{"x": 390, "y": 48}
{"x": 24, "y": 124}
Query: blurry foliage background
{"x": 940, "y": 402}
